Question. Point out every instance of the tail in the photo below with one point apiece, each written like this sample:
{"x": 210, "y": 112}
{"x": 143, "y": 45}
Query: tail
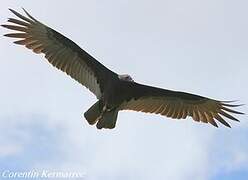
{"x": 108, "y": 120}
{"x": 93, "y": 114}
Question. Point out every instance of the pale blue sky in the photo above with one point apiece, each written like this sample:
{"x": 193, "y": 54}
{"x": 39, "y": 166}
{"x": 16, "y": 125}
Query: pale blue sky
{"x": 194, "y": 46}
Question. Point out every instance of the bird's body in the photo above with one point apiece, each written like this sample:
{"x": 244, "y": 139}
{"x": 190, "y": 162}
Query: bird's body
{"x": 114, "y": 92}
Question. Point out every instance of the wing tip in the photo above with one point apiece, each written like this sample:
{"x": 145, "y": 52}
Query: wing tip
{"x": 215, "y": 125}
{"x": 228, "y": 105}
{"x": 28, "y": 19}
{"x": 13, "y": 11}
{"x": 225, "y": 125}
{"x": 228, "y": 125}
{"x": 3, "y": 25}
{"x": 6, "y": 35}
{"x": 29, "y": 15}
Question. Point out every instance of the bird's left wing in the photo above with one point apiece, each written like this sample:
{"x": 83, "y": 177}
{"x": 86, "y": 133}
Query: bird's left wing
{"x": 177, "y": 105}
{"x": 60, "y": 51}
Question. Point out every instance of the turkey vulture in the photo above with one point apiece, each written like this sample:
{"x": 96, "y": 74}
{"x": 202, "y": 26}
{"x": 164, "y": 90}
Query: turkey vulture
{"x": 114, "y": 92}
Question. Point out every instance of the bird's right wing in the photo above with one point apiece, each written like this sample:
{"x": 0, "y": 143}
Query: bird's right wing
{"x": 177, "y": 105}
{"x": 60, "y": 51}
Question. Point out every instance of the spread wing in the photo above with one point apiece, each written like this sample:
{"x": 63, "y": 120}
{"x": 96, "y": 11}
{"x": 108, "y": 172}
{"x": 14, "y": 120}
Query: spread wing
{"x": 177, "y": 105}
{"x": 60, "y": 51}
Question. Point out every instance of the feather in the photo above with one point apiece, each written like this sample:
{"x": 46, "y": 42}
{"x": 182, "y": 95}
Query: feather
{"x": 21, "y": 16}
{"x": 17, "y": 28}
{"x": 22, "y": 23}
{"x": 17, "y": 35}
{"x": 178, "y": 105}
{"x": 42, "y": 39}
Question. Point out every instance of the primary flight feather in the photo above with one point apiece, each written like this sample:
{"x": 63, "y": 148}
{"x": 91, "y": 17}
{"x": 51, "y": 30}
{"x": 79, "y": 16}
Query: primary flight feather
{"x": 114, "y": 92}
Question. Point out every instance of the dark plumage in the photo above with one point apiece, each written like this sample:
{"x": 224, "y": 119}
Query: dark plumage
{"x": 114, "y": 92}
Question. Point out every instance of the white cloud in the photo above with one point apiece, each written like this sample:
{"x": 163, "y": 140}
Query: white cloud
{"x": 240, "y": 160}
{"x": 9, "y": 149}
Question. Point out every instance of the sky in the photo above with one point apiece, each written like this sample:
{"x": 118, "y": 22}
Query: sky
{"x": 194, "y": 46}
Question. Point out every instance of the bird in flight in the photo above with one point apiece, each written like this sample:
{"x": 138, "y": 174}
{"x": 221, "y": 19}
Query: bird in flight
{"x": 114, "y": 92}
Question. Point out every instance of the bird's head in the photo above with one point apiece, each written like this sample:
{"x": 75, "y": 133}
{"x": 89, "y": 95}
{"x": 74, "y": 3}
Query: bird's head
{"x": 126, "y": 77}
